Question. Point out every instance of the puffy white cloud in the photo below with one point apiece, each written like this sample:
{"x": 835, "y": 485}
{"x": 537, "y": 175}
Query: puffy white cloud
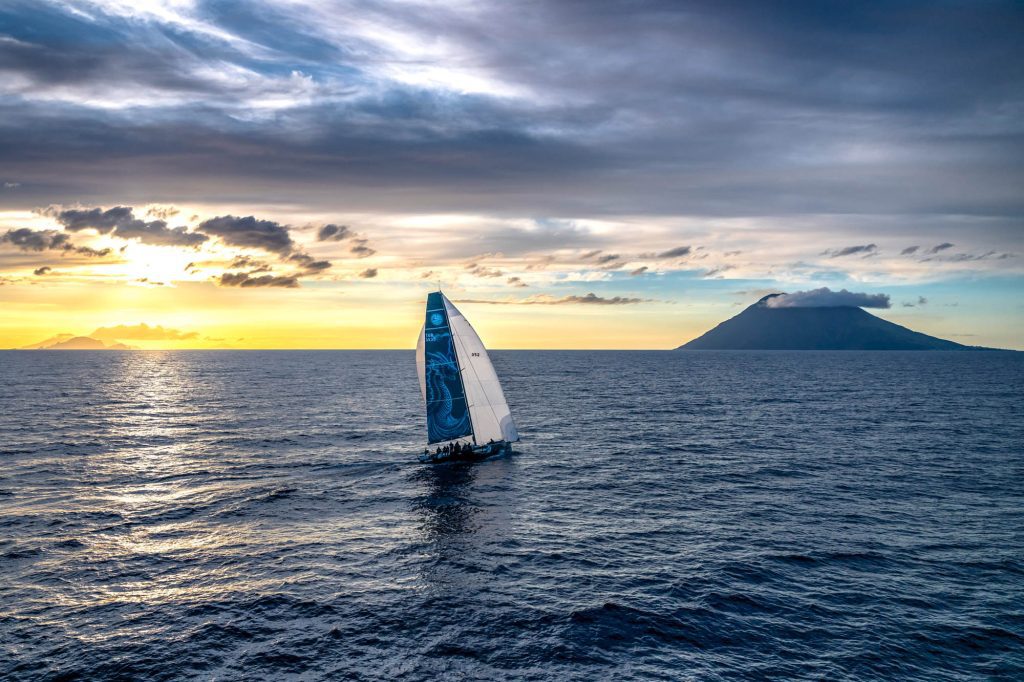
{"x": 826, "y": 298}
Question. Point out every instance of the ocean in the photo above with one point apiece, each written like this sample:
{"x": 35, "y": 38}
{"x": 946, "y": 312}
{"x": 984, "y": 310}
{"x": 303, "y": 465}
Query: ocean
{"x": 231, "y": 515}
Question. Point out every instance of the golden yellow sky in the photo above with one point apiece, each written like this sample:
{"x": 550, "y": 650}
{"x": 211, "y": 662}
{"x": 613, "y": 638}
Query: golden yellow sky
{"x": 623, "y": 286}
{"x": 318, "y": 318}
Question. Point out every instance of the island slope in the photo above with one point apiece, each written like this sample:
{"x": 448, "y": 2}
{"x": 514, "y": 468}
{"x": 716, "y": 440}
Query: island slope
{"x": 761, "y": 327}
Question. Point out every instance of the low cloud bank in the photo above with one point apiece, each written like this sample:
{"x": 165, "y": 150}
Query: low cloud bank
{"x": 121, "y": 221}
{"x": 47, "y": 240}
{"x": 677, "y": 252}
{"x": 333, "y": 233}
{"x": 250, "y": 232}
{"x": 247, "y": 281}
{"x": 826, "y": 298}
{"x": 544, "y": 299}
{"x": 142, "y": 332}
{"x": 863, "y": 250}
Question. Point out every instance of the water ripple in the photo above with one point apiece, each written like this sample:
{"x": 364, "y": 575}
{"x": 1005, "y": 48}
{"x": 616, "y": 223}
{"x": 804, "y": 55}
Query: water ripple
{"x": 236, "y": 515}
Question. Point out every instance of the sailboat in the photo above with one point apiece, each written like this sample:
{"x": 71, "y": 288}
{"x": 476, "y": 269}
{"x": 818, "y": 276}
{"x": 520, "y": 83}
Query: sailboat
{"x": 464, "y": 402}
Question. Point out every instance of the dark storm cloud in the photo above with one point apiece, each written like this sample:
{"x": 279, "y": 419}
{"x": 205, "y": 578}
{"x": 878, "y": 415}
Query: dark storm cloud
{"x": 655, "y": 108}
{"x": 478, "y": 270}
{"x": 27, "y": 239}
{"x": 121, "y": 221}
{"x": 716, "y": 272}
{"x": 317, "y": 266}
{"x": 103, "y": 221}
{"x": 309, "y": 264}
{"x": 941, "y": 247}
{"x": 677, "y": 252}
{"x": 368, "y": 273}
{"x": 50, "y": 46}
{"x": 245, "y": 280}
{"x": 46, "y": 269}
{"x": 826, "y": 298}
{"x": 970, "y": 257}
{"x": 864, "y": 250}
{"x": 36, "y": 240}
{"x": 333, "y": 233}
{"x": 156, "y": 232}
{"x": 361, "y": 250}
{"x": 249, "y": 232}
{"x": 240, "y": 262}
{"x": 89, "y": 251}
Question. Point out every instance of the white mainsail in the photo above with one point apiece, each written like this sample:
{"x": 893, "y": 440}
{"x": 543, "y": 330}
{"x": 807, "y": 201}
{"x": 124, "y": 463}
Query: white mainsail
{"x": 488, "y": 410}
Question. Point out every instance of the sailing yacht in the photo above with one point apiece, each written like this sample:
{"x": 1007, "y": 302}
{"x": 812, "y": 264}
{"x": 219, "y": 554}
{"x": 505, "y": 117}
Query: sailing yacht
{"x": 461, "y": 392}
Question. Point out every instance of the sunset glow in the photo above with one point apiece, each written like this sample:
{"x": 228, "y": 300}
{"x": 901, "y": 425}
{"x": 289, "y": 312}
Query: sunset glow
{"x": 306, "y": 186}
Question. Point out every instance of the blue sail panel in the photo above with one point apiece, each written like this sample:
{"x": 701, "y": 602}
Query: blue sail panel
{"x": 447, "y": 410}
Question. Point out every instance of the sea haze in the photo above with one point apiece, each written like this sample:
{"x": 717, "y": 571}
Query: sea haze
{"x": 229, "y": 515}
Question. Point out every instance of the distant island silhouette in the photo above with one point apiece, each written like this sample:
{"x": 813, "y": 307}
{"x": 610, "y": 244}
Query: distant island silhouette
{"x": 72, "y": 342}
{"x": 763, "y": 326}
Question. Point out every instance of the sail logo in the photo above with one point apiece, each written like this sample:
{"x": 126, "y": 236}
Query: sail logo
{"x": 436, "y": 319}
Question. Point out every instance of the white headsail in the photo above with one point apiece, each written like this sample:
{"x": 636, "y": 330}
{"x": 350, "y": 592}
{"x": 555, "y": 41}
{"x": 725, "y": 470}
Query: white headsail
{"x": 488, "y": 410}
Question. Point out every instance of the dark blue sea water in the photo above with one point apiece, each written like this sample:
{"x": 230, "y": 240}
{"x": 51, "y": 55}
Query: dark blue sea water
{"x": 745, "y": 515}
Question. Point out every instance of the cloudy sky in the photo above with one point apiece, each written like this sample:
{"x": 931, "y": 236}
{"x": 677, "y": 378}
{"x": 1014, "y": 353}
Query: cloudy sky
{"x": 581, "y": 174}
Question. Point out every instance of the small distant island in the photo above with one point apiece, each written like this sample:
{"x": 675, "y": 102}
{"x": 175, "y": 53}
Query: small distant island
{"x": 72, "y": 342}
{"x": 816, "y": 320}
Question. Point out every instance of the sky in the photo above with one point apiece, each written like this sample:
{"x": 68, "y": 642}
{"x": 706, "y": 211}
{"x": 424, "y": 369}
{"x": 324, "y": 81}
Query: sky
{"x": 573, "y": 174}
